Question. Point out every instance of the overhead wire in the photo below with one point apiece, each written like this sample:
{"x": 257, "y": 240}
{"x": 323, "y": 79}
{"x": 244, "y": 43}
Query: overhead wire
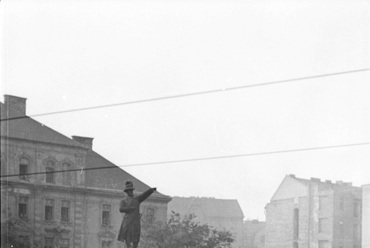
{"x": 186, "y": 95}
{"x": 195, "y": 159}
{"x": 191, "y": 94}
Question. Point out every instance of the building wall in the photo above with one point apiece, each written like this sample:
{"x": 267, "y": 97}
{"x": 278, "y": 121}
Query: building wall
{"x": 279, "y": 224}
{"x": 254, "y": 234}
{"x": 84, "y": 229}
{"x": 218, "y": 213}
{"x": 328, "y": 216}
{"x": 30, "y": 147}
{"x": 36, "y": 190}
{"x": 347, "y": 218}
{"x": 95, "y": 230}
{"x": 37, "y": 197}
{"x": 366, "y": 216}
{"x": 233, "y": 225}
{"x": 324, "y": 226}
{"x": 38, "y": 155}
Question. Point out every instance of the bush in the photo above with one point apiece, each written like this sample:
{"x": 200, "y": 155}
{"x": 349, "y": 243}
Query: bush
{"x": 183, "y": 233}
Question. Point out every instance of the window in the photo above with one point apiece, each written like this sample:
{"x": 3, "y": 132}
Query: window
{"x": 262, "y": 239}
{"x": 67, "y": 176}
{"x": 150, "y": 214}
{"x": 64, "y": 211}
{"x": 295, "y": 244}
{"x": 323, "y": 225}
{"x": 324, "y": 244}
{"x": 356, "y": 233}
{"x": 296, "y": 224}
{"x": 49, "y": 172}
{"x": 341, "y": 203}
{"x": 64, "y": 243}
{"x": 356, "y": 209}
{"x": 49, "y": 209}
{"x": 106, "y": 244}
{"x": 323, "y": 202}
{"x": 49, "y": 242}
{"x": 23, "y": 168}
{"x": 341, "y": 228}
{"x": 22, "y": 207}
{"x": 50, "y": 175}
{"x": 106, "y": 215}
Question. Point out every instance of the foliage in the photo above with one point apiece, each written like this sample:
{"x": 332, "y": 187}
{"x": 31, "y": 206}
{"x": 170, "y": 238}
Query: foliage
{"x": 15, "y": 233}
{"x": 184, "y": 233}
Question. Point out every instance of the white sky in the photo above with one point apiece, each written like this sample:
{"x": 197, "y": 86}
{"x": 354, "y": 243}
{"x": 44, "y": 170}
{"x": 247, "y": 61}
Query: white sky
{"x": 68, "y": 54}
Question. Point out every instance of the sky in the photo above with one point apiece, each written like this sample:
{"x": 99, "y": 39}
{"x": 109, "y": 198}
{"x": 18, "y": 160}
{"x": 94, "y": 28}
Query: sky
{"x": 64, "y": 54}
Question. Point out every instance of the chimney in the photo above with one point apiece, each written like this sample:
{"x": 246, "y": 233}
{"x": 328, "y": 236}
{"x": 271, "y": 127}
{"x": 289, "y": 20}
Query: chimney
{"x": 15, "y": 103}
{"x": 328, "y": 181}
{"x": 85, "y": 141}
{"x": 315, "y": 179}
{"x": 292, "y": 175}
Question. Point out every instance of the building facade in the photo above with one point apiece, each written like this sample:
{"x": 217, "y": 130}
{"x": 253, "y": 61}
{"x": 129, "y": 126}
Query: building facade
{"x": 314, "y": 213}
{"x": 254, "y": 234}
{"x": 218, "y": 213}
{"x": 51, "y": 183}
{"x": 366, "y": 216}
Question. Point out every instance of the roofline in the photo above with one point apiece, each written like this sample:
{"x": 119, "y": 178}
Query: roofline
{"x": 47, "y": 127}
{"x": 79, "y": 189}
{"x": 43, "y": 142}
{"x": 281, "y": 183}
{"x": 94, "y": 153}
{"x": 189, "y": 201}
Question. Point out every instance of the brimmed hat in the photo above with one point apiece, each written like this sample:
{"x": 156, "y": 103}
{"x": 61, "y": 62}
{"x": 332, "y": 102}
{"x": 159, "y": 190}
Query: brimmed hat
{"x": 129, "y": 186}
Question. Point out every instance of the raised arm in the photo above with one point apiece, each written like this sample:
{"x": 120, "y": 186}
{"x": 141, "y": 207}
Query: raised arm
{"x": 146, "y": 194}
{"x": 123, "y": 208}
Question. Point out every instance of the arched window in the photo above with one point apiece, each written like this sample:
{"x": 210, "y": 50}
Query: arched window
{"x": 24, "y": 165}
{"x": 67, "y": 176}
{"x": 50, "y": 168}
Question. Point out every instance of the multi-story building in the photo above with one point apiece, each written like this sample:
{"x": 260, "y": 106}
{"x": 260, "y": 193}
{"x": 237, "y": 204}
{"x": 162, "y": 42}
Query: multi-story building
{"x": 254, "y": 234}
{"x": 314, "y": 213}
{"x": 60, "y": 187}
{"x": 219, "y": 213}
{"x": 366, "y": 216}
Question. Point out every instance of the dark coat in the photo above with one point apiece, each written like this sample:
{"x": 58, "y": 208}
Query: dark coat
{"x": 131, "y": 227}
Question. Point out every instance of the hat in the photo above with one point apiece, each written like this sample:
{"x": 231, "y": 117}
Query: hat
{"x": 129, "y": 186}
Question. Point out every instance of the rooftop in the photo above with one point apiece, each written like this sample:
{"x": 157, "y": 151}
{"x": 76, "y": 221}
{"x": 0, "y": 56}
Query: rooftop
{"x": 26, "y": 128}
{"x": 211, "y": 207}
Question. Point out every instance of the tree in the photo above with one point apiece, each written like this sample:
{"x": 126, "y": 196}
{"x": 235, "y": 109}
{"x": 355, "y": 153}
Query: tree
{"x": 184, "y": 233}
{"x": 16, "y": 233}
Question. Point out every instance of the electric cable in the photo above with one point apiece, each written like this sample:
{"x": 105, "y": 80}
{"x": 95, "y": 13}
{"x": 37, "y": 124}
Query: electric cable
{"x": 191, "y": 94}
{"x": 194, "y": 159}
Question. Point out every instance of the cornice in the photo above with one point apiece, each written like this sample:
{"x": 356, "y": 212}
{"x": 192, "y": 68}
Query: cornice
{"x": 43, "y": 142}
{"x": 87, "y": 191}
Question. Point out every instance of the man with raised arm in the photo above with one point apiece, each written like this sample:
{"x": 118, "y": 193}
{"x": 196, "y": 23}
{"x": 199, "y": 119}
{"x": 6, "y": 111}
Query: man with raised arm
{"x": 131, "y": 227}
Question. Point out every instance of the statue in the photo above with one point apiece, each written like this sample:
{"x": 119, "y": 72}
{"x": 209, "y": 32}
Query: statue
{"x": 131, "y": 227}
